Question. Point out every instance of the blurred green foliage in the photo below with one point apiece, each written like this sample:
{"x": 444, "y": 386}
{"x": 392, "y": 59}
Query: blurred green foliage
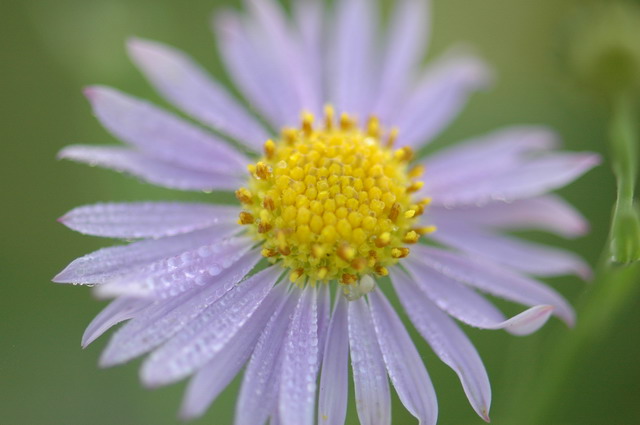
{"x": 51, "y": 49}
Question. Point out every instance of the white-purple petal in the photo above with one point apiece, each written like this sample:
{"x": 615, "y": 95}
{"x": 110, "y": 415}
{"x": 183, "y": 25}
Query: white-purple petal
{"x": 117, "y": 311}
{"x": 172, "y": 276}
{"x": 184, "y": 83}
{"x": 548, "y": 212}
{"x": 471, "y": 308}
{"x": 405, "y": 46}
{"x": 373, "y": 399}
{"x": 334, "y": 378}
{"x": 494, "y": 279}
{"x": 309, "y": 21}
{"x": 164, "y": 318}
{"x": 527, "y": 257}
{"x": 404, "y": 364}
{"x": 259, "y": 392}
{"x": 438, "y": 97}
{"x": 162, "y": 134}
{"x": 447, "y": 341}
{"x": 208, "y": 333}
{"x": 533, "y": 177}
{"x": 352, "y": 75}
{"x": 150, "y": 169}
{"x": 250, "y": 65}
{"x": 108, "y": 263}
{"x": 134, "y": 220}
{"x": 212, "y": 378}
{"x": 300, "y": 357}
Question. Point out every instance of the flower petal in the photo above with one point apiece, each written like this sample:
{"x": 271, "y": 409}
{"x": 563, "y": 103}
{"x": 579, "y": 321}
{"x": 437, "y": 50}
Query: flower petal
{"x": 208, "y": 333}
{"x": 149, "y": 169}
{"x": 527, "y": 257}
{"x": 108, "y": 263}
{"x": 259, "y": 392}
{"x": 135, "y": 220}
{"x": 161, "y": 134}
{"x": 469, "y": 307}
{"x": 214, "y": 377}
{"x": 117, "y": 311}
{"x": 405, "y": 366}
{"x": 163, "y": 319}
{"x": 548, "y": 212}
{"x": 447, "y": 341}
{"x": 438, "y": 97}
{"x": 494, "y": 279}
{"x": 296, "y": 405}
{"x": 526, "y": 179}
{"x": 324, "y": 314}
{"x": 405, "y": 46}
{"x": 184, "y": 83}
{"x": 484, "y": 157}
{"x": 172, "y": 276}
{"x": 334, "y": 379}
{"x": 373, "y": 400}
{"x": 308, "y": 17}
{"x": 250, "y": 64}
{"x": 352, "y": 73}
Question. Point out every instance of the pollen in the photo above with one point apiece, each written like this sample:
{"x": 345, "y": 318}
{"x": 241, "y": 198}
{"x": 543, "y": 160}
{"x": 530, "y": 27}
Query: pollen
{"x": 333, "y": 201}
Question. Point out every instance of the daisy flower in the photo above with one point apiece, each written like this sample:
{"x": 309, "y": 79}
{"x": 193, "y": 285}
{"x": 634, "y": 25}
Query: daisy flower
{"x": 334, "y": 213}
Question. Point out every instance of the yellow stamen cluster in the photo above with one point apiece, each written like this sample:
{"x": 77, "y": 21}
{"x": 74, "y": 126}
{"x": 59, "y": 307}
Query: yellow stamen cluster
{"x": 333, "y": 202}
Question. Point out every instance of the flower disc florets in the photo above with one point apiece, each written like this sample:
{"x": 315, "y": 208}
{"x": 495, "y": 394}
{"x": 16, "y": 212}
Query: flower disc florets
{"x": 333, "y": 202}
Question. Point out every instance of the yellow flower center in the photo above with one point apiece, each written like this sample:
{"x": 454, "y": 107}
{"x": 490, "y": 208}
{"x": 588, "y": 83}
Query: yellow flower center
{"x": 333, "y": 202}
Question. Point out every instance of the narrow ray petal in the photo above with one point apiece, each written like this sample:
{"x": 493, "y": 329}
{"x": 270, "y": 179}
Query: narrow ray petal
{"x": 373, "y": 399}
{"x": 483, "y": 157}
{"x": 163, "y": 319}
{"x": 438, "y": 97}
{"x": 149, "y": 169}
{"x": 259, "y": 392}
{"x": 251, "y": 67}
{"x": 214, "y": 377}
{"x": 117, "y": 311}
{"x": 309, "y": 20}
{"x": 518, "y": 254}
{"x": 352, "y": 73}
{"x": 172, "y": 276}
{"x": 146, "y": 219}
{"x": 208, "y": 333}
{"x": 334, "y": 379}
{"x": 496, "y": 280}
{"x": 161, "y": 134}
{"x": 405, "y": 366}
{"x": 300, "y": 363}
{"x": 406, "y": 44}
{"x": 548, "y": 212}
{"x": 469, "y": 307}
{"x": 108, "y": 263}
{"x": 526, "y": 179}
{"x": 324, "y": 314}
{"x": 183, "y": 82}
{"x": 447, "y": 341}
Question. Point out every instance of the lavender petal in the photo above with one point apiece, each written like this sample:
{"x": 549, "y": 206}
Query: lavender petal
{"x": 300, "y": 365}
{"x": 150, "y": 169}
{"x": 184, "y": 83}
{"x": 334, "y": 379}
{"x": 135, "y": 220}
{"x": 447, "y": 341}
{"x": 404, "y": 364}
{"x": 108, "y": 263}
{"x": 117, "y": 311}
{"x": 164, "y": 318}
{"x": 373, "y": 400}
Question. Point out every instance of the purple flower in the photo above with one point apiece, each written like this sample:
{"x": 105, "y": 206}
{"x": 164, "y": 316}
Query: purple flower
{"x": 290, "y": 282}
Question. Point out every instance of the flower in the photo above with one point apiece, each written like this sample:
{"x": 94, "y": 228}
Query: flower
{"x": 331, "y": 203}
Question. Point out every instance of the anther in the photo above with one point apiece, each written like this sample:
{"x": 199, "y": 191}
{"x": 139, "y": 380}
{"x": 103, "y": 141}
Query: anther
{"x": 381, "y": 271}
{"x": 411, "y": 237}
{"x": 404, "y": 154}
{"x": 416, "y": 171}
{"x": 243, "y": 195}
{"x": 263, "y": 171}
{"x": 269, "y": 148}
{"x": 307, "y": 123}
{"x": 296, "y": 274}
{"x": 348, "y": 278}
{"x": 394, "y": 212}
{"x": 393, "y": 136}
{"x": 268, "y": 203}
{"x": 415, "y": 186}
{"x": 383, "y": 240}
{"x": 245, "y": 218}
{"x": 268, "y": 252}
{"x": 399, "y": 252}
{"x": 426, "y": 230}
{"x": 329, "y": 116}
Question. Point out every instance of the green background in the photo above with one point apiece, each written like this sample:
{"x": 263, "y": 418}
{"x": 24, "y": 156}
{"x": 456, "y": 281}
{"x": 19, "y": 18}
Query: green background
{"x": 52, "y": 49}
